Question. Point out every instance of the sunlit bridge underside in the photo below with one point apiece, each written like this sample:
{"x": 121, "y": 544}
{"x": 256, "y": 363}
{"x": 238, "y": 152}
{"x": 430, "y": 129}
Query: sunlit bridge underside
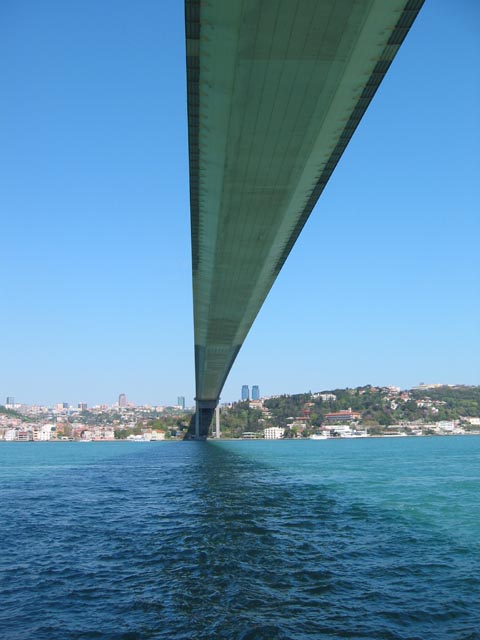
{"x": 276, "y": 88}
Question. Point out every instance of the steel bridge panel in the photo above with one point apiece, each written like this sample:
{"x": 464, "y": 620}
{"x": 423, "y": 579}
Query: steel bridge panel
{"x": 276, "y": 89}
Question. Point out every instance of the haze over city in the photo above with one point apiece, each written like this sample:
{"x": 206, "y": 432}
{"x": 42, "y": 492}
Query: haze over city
{"x": 381, "y": 287}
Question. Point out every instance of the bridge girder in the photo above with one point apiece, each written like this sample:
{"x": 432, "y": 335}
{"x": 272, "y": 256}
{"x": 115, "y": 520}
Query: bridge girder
{"x": 275, "y": 91}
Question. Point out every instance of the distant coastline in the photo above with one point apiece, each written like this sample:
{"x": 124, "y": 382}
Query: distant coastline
{"x": 358, "y": 412}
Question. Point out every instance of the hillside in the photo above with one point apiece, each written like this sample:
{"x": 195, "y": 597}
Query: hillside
{"x": 379, "y": 405}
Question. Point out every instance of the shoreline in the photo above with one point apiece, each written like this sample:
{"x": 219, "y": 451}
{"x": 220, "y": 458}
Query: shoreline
{"x": 124, "y": 440}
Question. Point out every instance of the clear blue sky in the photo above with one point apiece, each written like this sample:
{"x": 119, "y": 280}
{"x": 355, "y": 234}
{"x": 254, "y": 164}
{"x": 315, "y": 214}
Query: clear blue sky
{"x": 381, "y": 288}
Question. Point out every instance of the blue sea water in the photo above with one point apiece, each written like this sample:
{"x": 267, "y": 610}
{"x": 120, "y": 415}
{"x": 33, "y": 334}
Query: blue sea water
{"x": 367, "y": 538}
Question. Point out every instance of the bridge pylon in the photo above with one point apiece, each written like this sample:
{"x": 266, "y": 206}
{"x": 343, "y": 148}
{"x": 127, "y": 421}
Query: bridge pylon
{"x": 203, "y": 417}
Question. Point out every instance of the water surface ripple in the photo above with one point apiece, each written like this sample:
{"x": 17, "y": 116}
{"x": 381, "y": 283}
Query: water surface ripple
{"x": 376, "y": 538}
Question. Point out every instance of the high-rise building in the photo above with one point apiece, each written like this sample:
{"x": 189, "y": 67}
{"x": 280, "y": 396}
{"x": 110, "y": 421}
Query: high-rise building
{"x": 82, "y": 406}
{"x": 10, "y": 400}
{"x": 65, "y": 405}
{"x": 255, "y": 392}
{"x": 122, "y": 400}
{"x": 181, "y": 401}
{"x": 245, "y": 392}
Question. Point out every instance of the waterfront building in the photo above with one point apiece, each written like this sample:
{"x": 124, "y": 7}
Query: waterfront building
{"x": 446, "y": 425}
{"x": 157, "y": 435}
{"x": 42, "y": 433}
{"x": 255, "y": 392}
{"x": 475, "y": 421}
{"x": 245, "y": 392}
{"x": 273, "y": 433}
{"x": 24, "y": 435}
{"x": 342, "y": 430}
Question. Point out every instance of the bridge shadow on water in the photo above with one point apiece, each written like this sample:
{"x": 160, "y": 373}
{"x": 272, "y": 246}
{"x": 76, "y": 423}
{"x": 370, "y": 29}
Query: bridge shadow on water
{"x": 258, "y": 538}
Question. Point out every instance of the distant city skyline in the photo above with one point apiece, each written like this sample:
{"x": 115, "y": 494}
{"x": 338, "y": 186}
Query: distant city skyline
{"x": 381, "y": 287}
{"x": 182, "y": 402}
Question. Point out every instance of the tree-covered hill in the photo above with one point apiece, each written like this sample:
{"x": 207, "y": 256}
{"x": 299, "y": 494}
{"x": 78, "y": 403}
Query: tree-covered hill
{"x": 240, "y": 417}
{"x": 379, "y": 405}
{"x": 459, "y": 401}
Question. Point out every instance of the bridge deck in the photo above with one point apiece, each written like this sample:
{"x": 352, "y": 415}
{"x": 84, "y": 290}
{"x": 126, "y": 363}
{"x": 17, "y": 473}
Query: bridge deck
{"x": 275, "y": 91}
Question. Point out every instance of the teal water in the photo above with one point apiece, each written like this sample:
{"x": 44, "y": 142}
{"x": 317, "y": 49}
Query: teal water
{"x": 367, "y": 538}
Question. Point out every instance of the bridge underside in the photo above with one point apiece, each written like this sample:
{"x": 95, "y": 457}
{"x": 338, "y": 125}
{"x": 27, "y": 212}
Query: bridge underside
{"x": 276, "y": 89}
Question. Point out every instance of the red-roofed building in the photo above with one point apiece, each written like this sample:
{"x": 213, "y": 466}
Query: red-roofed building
{"x": 343, "y": 416}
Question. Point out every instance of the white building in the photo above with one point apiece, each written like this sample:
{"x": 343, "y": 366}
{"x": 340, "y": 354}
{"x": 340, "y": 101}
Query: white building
{"x": 273, "y": 433}
{"x": 446, "y": 425}
{"x": 326, "y": 397}
{"x": 473, "y": 421}
{"x": 343, "y": 430}
{"x": 43, "y": 433}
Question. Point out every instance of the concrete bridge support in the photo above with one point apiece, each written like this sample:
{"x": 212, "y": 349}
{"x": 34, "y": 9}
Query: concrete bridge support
{"x": 203, "y": 417}
{"x": 217, "y": 421}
